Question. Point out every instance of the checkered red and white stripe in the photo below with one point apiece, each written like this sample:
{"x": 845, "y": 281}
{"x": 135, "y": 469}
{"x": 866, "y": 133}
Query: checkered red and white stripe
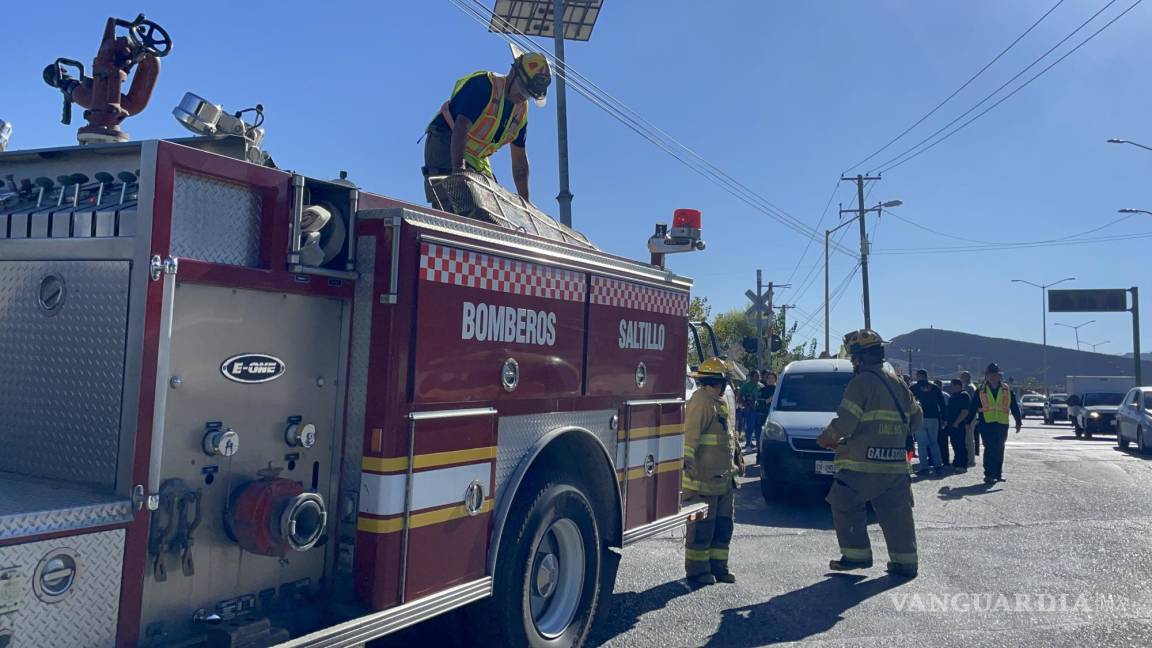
{"x": 458, "y": 267}
{"x": 625, "y": 294}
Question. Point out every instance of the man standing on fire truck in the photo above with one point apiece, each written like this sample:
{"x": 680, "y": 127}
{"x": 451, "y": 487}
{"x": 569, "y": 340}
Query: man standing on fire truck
{"x": 712, "y": 462}
{"x": 486, "y": 111}
{"x": 871, "y": 435}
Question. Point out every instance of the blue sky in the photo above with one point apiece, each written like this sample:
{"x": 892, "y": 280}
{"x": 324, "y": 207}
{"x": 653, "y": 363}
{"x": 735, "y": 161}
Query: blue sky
{"x": 781, "y": 95}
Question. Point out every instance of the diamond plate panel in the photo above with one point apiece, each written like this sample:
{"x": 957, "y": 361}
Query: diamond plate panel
{"x": 35, "y": 507}
{"x": 363, "y": 307}
{"x": 86, "y": 615}
{"x": 216, "y": 221}
{"x": 61, "y": 382}
{"x": 517, "y": 435}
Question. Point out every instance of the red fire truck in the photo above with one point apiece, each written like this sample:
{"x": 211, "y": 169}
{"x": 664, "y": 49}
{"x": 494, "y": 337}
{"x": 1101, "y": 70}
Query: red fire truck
{"x": 245, "y": 407}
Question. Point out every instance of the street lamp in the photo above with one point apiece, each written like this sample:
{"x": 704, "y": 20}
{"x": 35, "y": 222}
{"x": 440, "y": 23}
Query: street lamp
{"x": 1077, "y": 330}
{"x": 1044, "y": 320}
{"x": 1129, "y": 210}
{"x": 1097, "y": 344}
{"x": 858, "y": 215}
{"x": 561, "y": 19}
{"x": 1124, "y": 141}
{"x": 827, "y": 234}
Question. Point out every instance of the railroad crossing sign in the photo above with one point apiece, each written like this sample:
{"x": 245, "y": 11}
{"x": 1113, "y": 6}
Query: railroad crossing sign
{"x": 759, "y": 308}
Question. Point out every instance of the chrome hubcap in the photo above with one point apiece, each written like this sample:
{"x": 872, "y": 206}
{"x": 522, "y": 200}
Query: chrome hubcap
{"x": 557, "y": 578}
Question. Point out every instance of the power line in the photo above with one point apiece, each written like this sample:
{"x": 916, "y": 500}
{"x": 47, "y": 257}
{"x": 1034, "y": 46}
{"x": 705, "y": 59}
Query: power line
{"x": 1008, "y": 243}
{"x": 892, "y": 163}
{"x": 958, "y": 90}
{"x": 1020, "y": 87}
{"x": 819, "y": 222}
{"x": 1019, "y": 246}
{"x": 635, "y": 122}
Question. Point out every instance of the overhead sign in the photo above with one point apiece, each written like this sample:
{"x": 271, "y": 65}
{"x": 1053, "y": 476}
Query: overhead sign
{"x": 1107, "y": 300}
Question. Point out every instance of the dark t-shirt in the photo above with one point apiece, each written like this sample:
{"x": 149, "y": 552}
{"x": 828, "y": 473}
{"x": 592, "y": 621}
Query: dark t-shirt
{"x": 471, "y": 101}
{"x": 958, "y": 403}
{"x": 931, "y": 399}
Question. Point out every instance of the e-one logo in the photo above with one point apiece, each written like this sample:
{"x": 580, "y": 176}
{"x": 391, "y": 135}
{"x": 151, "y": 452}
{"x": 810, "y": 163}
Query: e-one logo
{"x": 252, "y": 368}
{"x": 491, "y": 323}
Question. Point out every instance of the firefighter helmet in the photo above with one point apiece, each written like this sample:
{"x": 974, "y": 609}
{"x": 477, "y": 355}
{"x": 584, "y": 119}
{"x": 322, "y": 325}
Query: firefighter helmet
{"x": 534, "y": 73}
{"x": 712, "y": 368}
{"x": 857, "y": 341}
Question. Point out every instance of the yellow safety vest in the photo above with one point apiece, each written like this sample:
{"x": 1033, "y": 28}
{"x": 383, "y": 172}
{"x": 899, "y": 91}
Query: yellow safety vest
{"x": 482, "y": 142}
{"x": 995, "y": 408}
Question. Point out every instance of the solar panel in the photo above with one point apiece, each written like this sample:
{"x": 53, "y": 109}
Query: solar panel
{"x": 534, "y": 17}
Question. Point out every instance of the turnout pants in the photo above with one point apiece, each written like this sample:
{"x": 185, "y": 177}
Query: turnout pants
{"x": 995, "y": 435}
{"x": 891, "y": 497}
{"x": 706, "y": 542}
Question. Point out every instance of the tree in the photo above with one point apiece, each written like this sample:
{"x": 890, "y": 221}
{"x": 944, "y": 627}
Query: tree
{"x": 699, "y": 309}
{"x": 733, "y": 326}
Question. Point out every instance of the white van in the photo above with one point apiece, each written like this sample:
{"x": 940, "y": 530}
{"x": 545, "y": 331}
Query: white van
{"x": 807, "y": 395}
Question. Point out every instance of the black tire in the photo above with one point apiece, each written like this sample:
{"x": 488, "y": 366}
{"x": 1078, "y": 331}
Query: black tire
{"x": 1140, "y": 447}
{"x": 1121, "y": 442}
{"x": 1088, "y": 433}
{"x": 507, "y": 617}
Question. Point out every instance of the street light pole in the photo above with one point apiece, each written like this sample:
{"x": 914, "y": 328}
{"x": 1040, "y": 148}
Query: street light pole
{"x": 565, "y": 196}
{"x": 827, "y": 234}
{"x": 860, "y": 211}
{"x": 1124, "y": 141}
{"x": 1077, "y": 330}
{"x": 1044, "y": 322}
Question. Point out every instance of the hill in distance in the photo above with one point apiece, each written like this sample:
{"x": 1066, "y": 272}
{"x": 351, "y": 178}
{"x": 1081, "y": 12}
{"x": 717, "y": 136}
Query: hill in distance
{"x": 946, "y": 353}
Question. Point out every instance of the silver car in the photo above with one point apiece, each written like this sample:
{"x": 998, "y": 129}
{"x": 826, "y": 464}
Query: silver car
{"x": 1134, "y": 420}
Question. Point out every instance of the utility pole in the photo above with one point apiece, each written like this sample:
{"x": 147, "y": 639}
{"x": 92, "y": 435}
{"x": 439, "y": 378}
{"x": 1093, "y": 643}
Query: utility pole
{"x": 861, "y": 211}
{"x": 565, "y": 196}
{"x": 784, "y": 322}
{"x": 768, "y": 343}
{"x": 827, "y": 317}
{"x": 760, "y": 321}
{"x": 1136, "y": 335}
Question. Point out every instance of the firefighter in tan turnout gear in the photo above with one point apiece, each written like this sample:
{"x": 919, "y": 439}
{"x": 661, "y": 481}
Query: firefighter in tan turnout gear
{"x": 871, "y": 434}
{"x": 712, "y": 462}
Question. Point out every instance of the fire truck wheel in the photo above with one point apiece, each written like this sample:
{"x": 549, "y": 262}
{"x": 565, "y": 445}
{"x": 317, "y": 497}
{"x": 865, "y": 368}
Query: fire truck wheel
{"x": 548, "y": 572}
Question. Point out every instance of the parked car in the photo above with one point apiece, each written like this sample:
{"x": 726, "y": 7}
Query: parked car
{"x": 1095, "y": 413}
{"x": 1056, "y": 408}
{"x": 1032, "y": 405}
{"x": 1134, "y": 420}
{"x": 804, "y": 404}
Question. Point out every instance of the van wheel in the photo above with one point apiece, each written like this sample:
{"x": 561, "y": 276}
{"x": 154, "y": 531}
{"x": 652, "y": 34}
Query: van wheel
{"x": 1121, "y": 442}
{"x": 547, "y": 583}
{"x": 1140, "y": 447}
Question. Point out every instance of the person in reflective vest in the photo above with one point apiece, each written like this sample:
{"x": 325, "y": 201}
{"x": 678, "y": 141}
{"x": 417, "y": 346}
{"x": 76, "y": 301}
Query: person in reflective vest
{"x": 871, "y": 434}
{"x": 485, "y": 112}
{"x": 712, "y": 462}
{"x": 995, "y": 403}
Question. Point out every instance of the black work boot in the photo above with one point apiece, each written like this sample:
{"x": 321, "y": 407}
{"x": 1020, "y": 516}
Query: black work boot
{"x": 845, "y": 564}
{"x": 902, "y": 570}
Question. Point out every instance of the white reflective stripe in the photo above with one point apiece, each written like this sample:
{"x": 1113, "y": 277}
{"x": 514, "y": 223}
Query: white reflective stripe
{"x": 384, "y": 494}
{"x": 664, "y": 448}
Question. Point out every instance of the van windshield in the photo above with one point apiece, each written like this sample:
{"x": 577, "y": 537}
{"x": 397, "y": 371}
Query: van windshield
{"x": 1102, "y": 399}
{"x": 1058, "y": 399}
{"x": 812, "y": 392}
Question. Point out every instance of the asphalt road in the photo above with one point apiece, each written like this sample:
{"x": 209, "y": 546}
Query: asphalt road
{"x": 1058, "y": 555}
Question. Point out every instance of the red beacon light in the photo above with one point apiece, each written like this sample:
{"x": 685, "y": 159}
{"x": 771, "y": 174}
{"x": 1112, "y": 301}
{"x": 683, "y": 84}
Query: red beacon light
{"x": 686, "y": 219}
{"x": 683, "y": 237}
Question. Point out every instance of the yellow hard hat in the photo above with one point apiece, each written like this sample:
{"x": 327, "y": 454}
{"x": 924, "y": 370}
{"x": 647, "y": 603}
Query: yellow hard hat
{"x": 712, "y": 368}
{"x": 534, "y": 72}
{"x": 858, "y": 341}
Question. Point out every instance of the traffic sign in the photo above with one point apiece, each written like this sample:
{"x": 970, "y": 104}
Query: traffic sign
{"x": 1088, "y": 301}
{"x": 759, "y": 305}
